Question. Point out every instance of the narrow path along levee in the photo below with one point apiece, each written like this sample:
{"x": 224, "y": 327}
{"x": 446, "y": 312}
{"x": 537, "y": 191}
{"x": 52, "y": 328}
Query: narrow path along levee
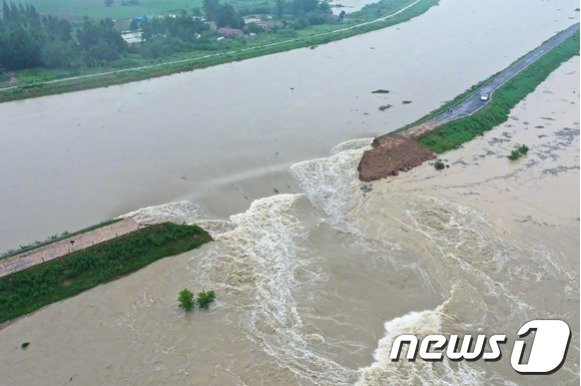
{"x": 66, "y": 246}
{"x": 474, "y": 102}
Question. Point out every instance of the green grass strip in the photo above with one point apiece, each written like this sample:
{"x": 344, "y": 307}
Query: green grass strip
{"x": 453, "y": 134}
{"x": 29, "y": 290}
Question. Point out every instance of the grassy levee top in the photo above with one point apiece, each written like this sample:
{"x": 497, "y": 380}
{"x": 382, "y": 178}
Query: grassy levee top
{"x": 27, "y": 291}
{"x": 453, "y": 134}
{"x": 382, "y": 14}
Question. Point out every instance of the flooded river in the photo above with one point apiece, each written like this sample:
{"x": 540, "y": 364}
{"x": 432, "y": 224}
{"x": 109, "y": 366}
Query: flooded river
{"x": 312, "y": 283}
{"x": 227, "y": 135}
{"x": 313, "y": 287}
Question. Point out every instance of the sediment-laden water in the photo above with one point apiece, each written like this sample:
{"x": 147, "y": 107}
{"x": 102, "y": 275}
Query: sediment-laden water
{"x": 313, "y": 287}
{"x": 227, "y": 135}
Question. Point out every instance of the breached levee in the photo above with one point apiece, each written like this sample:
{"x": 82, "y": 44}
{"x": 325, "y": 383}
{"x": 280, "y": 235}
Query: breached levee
{"x": 313, "y": 287}
{"x": 390, "y": 155}
{"x": 470, "y": 114}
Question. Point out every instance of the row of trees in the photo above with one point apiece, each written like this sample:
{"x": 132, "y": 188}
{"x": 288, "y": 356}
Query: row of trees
{"x": 165, "y": 35}
{"x": 298, "y": 14}
{"x": 28, "y": 39}
{"x": 224, "y": 15}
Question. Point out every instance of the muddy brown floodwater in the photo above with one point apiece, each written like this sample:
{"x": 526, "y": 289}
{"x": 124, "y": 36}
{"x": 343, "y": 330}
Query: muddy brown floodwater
{"x": 313, "y": 283}
{"x": 313, "y": 287}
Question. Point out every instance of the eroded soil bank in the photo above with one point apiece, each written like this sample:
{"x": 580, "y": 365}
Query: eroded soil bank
{"x": 390, "y": 155}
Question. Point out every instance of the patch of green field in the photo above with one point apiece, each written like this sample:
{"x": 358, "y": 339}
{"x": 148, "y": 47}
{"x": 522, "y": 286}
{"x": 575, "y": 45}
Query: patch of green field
{"x": 29, "y": 290}
{"x": 76, "y": 9}
{"x": 453, "y": 134}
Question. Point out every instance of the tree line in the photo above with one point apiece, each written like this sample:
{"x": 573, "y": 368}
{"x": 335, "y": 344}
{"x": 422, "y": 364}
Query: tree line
{"x": 28, "y": 39}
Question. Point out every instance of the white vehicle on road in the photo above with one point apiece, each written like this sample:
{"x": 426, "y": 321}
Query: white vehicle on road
{"x": 484, "y": 97}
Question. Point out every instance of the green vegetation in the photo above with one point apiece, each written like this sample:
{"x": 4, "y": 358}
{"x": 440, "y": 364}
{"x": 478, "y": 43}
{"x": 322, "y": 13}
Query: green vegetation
{"x": 30, "y": 40}
{"x": 53, "y": 238}
{"x": 120, "y": 9}
{"x": 25, "y": 345}
{"x": 518, "y": 152}
{"x": 29, "y": 290}
{"x": 453, "y": 134}
{"x": 205, "y": 298}
{"x": 186, "y": 299}
{"x": 439, "y": 165}
{"x": 204, "y": 53}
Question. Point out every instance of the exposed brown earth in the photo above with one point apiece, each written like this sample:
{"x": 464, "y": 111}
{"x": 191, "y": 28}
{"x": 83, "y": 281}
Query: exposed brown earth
{"x": 394, "y": 153}
{"x": 64, "y": 247}
{"x": 390, "y": 155}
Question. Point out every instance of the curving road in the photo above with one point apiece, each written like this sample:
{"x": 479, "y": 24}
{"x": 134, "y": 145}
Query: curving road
{"x": 473, "y": 102}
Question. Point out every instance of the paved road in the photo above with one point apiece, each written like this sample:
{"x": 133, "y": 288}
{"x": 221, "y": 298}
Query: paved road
{"x": 66, "y": 246}
{"x": 473, "y": 103}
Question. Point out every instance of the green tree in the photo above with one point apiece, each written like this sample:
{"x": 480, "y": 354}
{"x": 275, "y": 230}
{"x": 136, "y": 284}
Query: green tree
{"x": 186, "y": 299}
{"x": 108, "y": 3}
{"x": 205, "y": 299}
{"x": 279, "y": 9}
{"x": 211, "y": 8}
{"x": 228, "y": 17}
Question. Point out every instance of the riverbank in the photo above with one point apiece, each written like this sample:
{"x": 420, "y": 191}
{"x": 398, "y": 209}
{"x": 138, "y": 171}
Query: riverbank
{"x": 381, "y": 15}
{"x": 278, "y": 102}
{"x": 303, "y": 277}
{"x": 437, "y": 134}
{"x": 40, "y": 284}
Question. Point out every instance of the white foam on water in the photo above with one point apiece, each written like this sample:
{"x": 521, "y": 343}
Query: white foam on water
{"x": 260, "y": 260}
{"x": 180, "y": 212}
{"x": 353, "y": 144}
{"x": 473, "y": 251}
{"x": 403, "y": 372}
{"x": 332, "y": 183}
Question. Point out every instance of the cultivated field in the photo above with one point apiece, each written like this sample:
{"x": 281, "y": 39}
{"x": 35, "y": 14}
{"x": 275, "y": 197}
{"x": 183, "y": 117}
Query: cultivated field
{"x": 76, "y": 9}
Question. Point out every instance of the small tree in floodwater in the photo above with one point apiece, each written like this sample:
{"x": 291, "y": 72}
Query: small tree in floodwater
{"x": 518, "y": 152}
{"x": 439, "y": 165}
{"x": 186, "y": 299}
{"x": 205, "y": 299}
